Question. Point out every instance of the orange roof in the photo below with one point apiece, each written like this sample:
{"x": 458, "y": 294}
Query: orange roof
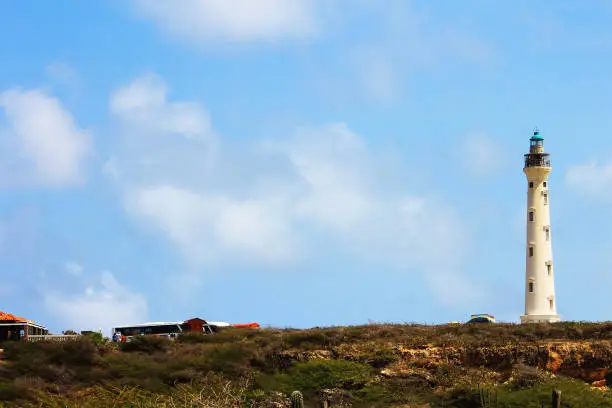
{"x": 11, "y": 317}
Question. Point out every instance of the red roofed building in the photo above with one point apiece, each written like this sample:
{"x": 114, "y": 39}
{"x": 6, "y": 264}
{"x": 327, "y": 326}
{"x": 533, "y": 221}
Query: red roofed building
{"x": 18, "y": 328}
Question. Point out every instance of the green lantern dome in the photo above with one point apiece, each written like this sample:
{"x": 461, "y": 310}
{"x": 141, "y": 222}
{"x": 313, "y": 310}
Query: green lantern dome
{"x": 536, "y": 135}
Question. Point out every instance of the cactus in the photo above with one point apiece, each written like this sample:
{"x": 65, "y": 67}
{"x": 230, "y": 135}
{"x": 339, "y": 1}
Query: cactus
{"x": 297, "y": 400}
{"x": 556, "y": 399}
{"x": 488, "y": 399}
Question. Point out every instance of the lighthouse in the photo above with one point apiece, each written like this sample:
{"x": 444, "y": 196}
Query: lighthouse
{"x": 540, "y": 301}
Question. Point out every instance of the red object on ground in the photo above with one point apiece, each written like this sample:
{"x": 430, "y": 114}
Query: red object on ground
{"x": 249, "y": 325}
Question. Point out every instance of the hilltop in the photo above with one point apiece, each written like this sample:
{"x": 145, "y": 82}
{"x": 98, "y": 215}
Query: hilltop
{"x": 361, "y": 366}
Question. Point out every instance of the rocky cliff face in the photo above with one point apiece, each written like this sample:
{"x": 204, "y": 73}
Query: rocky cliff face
{"x": 587, "y": 361}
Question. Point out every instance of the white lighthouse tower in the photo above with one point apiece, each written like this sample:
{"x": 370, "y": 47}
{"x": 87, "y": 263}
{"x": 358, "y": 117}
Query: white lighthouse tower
{"x": 540, "y": 302}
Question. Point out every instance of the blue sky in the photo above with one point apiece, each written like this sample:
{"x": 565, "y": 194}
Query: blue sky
{"x": 298, "y": 162}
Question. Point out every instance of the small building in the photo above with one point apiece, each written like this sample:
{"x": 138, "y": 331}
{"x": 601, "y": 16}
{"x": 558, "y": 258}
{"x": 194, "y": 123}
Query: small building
{"x": 196, "y": 325}
{"x": 18, "y": 328}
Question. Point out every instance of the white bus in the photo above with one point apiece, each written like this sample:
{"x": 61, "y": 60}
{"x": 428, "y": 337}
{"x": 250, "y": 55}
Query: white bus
{"x": 166, "y": 329}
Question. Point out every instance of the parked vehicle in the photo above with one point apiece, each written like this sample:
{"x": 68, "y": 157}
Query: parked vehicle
{"x": 482, "y": 318}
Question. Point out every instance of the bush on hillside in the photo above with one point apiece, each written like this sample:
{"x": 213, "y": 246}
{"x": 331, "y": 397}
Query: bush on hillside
{"x": 573, "y": 394}
{"x": 306, "y": 339}
{"x": 193, "y": 338}
{"x": 317, "y": 375}
{"x": 58, "y": 362}
{"x": 24, "y": 355}
{"x": 145, "y": 344}
{"x": 96, "y": 338}
{"x": 9, "y": 391}
{"x": 523, "y": 377}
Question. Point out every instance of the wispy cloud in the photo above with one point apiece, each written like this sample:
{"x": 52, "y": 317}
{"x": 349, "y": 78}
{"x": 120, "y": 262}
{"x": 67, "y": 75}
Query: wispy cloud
{"x": 104, "y": 304}
{"x": 403, "y": 42}
{"x": 74, "y": 268}
{"x": 154, "y": 132}
{"x": 203, "y": 21}
{"x": 319, "y": 181}
{"x": 41, "y": 143}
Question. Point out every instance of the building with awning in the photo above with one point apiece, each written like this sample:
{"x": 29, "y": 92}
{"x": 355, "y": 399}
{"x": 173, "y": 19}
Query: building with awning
{"x": 13, "y": 327}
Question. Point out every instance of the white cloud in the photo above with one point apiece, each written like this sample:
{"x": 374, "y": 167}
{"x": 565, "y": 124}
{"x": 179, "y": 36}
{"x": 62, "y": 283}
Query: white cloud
{"x": 591, "y": 178}
{"x": 201, "y": 21}
{"x": 482, "y": 155}
{"x": 104, "y": 305}
{"x": 405, "y": 43}
{"x": 42, "y": 144}
{"x": 331, "y": 164}
{"x": 210, "y": 226}
{"x": 318, "y": 189}
{"x": 159, "y": 135}
{"x": 73, "y": 268}
{"x": 143, "y": 106}
{"x": 329, "y": 187}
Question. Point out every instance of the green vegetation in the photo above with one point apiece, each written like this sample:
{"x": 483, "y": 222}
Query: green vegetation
{"x": 368, "y": 366}
{"x": 97, "y": 338}
{"x": 312, "y": 376}
{"x": 297, "y": 400}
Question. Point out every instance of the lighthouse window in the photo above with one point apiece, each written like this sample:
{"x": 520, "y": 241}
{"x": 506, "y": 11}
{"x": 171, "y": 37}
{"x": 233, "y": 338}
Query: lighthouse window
{"x": 547, "y": 231}
{"x": 552, "y": 304}
{"x": 549, "y": 269}
{"x": 531, "y": 184}
{"x": 530, "y": 251}
{"x": 545, "y": 198}
{"x": 530, "y": 215}
{"x": 545, "y": 184}
{"x": 530, "y": 287}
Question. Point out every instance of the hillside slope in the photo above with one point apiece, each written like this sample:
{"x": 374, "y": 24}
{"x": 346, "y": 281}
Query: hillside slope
{"x": 365, "y": 366}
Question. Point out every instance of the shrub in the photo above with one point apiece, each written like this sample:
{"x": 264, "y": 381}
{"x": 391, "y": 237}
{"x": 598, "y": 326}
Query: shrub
{"x": 145, "y": 344}
{"x": 573, "y": 394}
{"x": 379, "y": 355}
{"x": 139, "y": 369}
{"x": 447, "y": 375}
{"x": 52, "y": 361}
{"x": 9, "y": 391}
{"x": 233, "y": 360}
{"x": 224, "y": 335}
{"x": 96, "y": 338}
{"x": 193, "y": 338}
{"x": 525, "y": 377}
{"x": 462, "y": 397}
{"x": 316, "y": 375}
{"x": 307, "y": 339}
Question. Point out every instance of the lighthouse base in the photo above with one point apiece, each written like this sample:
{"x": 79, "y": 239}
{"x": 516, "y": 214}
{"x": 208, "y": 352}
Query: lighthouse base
{"x": 540, "y": 319}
